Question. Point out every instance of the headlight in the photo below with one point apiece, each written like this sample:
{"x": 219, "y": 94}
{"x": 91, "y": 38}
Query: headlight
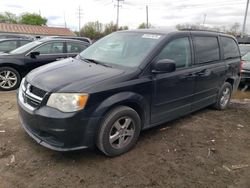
{"x": 67, "y": 102}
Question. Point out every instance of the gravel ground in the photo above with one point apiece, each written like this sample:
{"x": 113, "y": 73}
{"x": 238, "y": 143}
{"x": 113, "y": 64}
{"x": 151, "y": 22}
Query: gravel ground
{"x": 208, "y": 148}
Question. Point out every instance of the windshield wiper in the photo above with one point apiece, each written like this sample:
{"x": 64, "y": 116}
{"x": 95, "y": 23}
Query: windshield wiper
{"x": 88, "y": 60}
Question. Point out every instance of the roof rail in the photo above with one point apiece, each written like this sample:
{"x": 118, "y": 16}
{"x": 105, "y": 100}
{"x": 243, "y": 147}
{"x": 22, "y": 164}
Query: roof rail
{"x": 188, "y": 29}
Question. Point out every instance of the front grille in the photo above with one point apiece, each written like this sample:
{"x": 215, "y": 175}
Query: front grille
{"x": 31, "y": 96}
{"x": 38, "y": 92}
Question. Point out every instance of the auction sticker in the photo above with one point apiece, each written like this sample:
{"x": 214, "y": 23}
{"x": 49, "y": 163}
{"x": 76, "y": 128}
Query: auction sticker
{"x": 151, "y": 36}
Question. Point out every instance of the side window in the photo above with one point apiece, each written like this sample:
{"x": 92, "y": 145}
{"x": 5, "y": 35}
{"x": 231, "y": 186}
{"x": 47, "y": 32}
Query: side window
{"x": 23, "y": 42}
{"x": 73, "y": 47}
{"x": 206, "y": 49}
{"x": 51, "y": 48}
{"x": 8, "y": 46}
{"x": 179, "y": 51}
{"x": 230, "y": 48}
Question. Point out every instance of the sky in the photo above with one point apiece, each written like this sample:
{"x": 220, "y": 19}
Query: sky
{"x": 162, "y": 13}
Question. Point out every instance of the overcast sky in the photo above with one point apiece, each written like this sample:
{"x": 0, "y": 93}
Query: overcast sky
{"x": 162, "y": 13}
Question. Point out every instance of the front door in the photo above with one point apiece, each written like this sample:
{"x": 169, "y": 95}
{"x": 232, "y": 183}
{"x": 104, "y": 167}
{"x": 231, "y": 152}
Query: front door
{"x": 49, "y": 52}
{"x": 173, "y": 91}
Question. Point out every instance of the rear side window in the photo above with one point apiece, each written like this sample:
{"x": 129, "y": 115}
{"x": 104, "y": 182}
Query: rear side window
{"x": 230, "y": 48}
{"x": 23, "y": 42}
{"x": 73, "y": 47}
{"x": 8, "y": 46}
{"x": 206, "y": 49}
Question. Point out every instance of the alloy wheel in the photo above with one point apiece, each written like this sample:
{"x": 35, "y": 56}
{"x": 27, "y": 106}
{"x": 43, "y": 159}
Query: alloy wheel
{"x": 122, "y": 132}
{"x": 8, "y": 79}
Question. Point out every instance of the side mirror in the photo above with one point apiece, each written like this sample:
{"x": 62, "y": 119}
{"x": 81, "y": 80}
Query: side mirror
{"x": 34, "y": 54}
{"x": 164, "y": 66}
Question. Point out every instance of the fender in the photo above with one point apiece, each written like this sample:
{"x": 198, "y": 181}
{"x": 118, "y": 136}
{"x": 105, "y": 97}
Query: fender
{"x": 125, "y": 98}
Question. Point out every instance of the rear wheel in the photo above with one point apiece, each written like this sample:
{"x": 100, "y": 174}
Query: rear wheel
{"x": 224, "y": 96}
{"x": 119, "y": 131}
{"x": 9, "y": 79}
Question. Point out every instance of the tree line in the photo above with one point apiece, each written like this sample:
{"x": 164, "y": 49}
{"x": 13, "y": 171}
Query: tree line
{"x": 96, "y": 30}
{"x": 24, "y": 18}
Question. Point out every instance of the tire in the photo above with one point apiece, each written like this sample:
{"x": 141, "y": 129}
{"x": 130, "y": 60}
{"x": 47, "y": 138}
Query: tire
{"x": 119, "y": 131}
{"x": 224, "y": 96}
{"x": 9, "y": 79}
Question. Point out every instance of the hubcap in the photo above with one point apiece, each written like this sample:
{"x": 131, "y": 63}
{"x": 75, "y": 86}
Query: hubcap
{"x": 122, "y": 132}
{"x": 225, "y": 97}
{"x": 8, "y": 79}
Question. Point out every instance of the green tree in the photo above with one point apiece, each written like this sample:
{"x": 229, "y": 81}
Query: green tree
{"x": 123, "y": 28}
{"x": 32, "y": 19}
{"x": 144, "y": 26}
{"x": 110, "y": 28}
{"x": 8, "y": 17}
{"x": 92, "y": 30}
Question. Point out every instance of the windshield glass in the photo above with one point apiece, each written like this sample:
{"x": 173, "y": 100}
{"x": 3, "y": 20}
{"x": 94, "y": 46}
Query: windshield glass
{"x": 124, "y": 49}
{"x": 25, "y": 47}
{"x": 246, "y": 57}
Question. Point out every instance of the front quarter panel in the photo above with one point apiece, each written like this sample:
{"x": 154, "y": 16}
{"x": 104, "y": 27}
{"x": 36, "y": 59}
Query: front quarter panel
{"x": 138, "y": 94}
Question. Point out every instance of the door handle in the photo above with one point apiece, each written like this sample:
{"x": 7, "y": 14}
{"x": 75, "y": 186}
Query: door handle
{"x": 204, "y": 72}
{"x": 191, "y": 75}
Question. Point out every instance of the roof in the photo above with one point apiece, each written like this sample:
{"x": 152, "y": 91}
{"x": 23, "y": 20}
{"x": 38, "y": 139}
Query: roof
{"x": 174, "y": 31}
{"x": 48, "y": 39}
{"x": 15, "y": 39}
{"x": 34, "y": 29}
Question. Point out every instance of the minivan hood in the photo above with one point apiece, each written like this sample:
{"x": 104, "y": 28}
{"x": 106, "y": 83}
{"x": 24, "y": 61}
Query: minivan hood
{"x": 70, "y": 75}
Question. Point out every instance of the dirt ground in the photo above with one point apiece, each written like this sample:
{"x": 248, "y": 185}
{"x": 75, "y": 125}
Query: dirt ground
{"x": 208, "y": 148}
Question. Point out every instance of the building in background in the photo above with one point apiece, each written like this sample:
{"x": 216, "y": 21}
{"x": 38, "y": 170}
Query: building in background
{"x": 34, "y": 30}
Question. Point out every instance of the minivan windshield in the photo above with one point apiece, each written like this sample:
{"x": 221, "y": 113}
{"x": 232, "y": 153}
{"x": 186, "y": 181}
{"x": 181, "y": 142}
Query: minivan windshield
{"x": 126, "y": 49}
{"x": 25, "y": 47}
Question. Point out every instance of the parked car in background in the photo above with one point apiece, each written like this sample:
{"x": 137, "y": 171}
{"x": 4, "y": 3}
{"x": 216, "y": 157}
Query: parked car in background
{"x": 16, "y": 36}
{"x": 17, "y": 63}
{"x": 84, "y": 39}
{"x": 244, "y": 48}
{"x": 245, "y": 72}
{"x": 126, "y": 82}
{"x": 7, "y": 45}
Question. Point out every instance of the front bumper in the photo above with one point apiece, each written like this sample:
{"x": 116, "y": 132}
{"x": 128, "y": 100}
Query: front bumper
{"x": 57, "y": 130}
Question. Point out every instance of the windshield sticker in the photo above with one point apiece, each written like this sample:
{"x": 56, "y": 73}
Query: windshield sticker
{"x": 150, "y": 36}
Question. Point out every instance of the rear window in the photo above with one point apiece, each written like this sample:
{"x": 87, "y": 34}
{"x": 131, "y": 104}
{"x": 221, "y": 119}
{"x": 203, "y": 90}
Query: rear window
{"x": 230, "y": 48}
{"x": 207, "y": 49}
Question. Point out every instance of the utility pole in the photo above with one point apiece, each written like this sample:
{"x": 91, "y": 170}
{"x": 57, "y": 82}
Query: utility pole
{"x": 245, "y": 19}
{"x": 79, "y": 12}
{"x": 204, "y": 20}
{"x": 117, "y": 14}
{"x": 147, "y": 15}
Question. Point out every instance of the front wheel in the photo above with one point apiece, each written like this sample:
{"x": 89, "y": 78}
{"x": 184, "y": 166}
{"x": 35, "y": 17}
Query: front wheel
{"x": 224, "y": 96}
{"x": 119, "y": 131}
{"x": 9, "y": 79}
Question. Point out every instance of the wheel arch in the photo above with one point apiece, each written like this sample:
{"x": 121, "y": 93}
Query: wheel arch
{"x": 13, "y": 66}
{"x": 130, "y": 99}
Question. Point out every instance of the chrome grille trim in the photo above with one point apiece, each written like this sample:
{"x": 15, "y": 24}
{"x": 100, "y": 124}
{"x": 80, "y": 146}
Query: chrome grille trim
{"x": 27, "y": 98}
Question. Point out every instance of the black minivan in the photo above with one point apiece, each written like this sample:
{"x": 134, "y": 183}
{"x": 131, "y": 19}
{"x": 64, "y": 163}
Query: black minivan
{"x": 124, "y": 83}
